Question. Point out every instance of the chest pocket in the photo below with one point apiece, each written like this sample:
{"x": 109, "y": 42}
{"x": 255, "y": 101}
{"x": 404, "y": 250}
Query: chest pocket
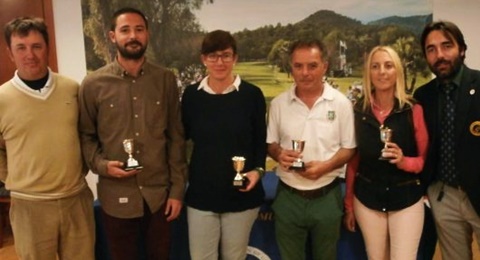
{"x": 156, "y": 113}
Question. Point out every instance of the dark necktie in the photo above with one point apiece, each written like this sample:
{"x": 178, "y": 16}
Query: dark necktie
{"x": 448, "y": 172}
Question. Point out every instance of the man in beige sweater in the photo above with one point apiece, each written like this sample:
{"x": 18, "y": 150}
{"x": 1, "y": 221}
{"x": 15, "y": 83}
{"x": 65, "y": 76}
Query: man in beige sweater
{"x": 40, "y": 155}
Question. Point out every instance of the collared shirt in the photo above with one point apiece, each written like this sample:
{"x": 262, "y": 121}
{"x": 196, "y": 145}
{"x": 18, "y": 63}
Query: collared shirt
{"x": 456, "y": 81}
{"x": 235, "y": 86}
{"x": 327, "y": 127}
{"x": 115, "y": 106}
{"x": 42, "y": 93}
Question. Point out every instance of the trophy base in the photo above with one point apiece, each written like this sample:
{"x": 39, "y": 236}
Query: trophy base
{"x": 381, "y": 158}
{"x": 240, "y": 182}
{"x": 131, "y": 164}
{"x": 297, "y": 166}
{"x": 132, "y": 167}
{"x": 385, "y": 158}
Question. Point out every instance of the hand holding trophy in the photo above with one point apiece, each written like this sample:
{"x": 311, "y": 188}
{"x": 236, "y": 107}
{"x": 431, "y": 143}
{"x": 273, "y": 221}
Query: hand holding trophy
{"x": 385, "y": 137}
{"x": 240, "y": 181}
{"x": 131, "y": 163}
{"x": 297, "y": 146}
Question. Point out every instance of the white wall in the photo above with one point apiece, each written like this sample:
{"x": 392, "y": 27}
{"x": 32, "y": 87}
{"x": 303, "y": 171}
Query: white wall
{"x": 465, "y": 14}
{"x": 69, "y": 38}
{"x": 71, "y": 50}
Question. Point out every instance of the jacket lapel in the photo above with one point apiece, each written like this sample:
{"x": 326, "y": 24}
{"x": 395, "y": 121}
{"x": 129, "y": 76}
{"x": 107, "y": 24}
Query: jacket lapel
{"x": 431, "y": 104}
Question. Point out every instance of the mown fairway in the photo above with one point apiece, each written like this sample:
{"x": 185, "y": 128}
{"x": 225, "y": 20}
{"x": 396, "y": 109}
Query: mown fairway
{"x": 265, "y": 77}
{"x": 273, "y": 82}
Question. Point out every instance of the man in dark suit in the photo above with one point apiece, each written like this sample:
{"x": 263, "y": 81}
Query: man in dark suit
{"x": 451, "y": 105}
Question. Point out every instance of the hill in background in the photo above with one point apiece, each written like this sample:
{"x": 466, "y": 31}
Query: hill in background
{"x": 412, "y": 23}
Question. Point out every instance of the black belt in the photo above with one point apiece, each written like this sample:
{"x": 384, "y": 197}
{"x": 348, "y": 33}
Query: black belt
{"x": 312, "y": 194}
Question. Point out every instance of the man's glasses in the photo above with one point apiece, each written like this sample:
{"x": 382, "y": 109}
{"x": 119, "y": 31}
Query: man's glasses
{"x": 225, "y": 57}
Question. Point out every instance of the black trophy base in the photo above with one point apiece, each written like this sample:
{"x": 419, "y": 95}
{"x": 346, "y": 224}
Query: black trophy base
{"x": 297, "y": 166}
{"x": 381, "y": 158}
{"x": 132, "y": 167}
{"x": 241, "y": 184}
{"x": 385, "y": 158}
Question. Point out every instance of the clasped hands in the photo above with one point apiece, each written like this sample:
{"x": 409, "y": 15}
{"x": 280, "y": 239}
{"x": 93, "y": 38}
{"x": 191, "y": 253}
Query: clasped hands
{"x": 312, "y": 171}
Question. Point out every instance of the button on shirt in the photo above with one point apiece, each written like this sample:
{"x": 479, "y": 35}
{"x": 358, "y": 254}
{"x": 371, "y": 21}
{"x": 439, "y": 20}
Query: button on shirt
{"x": 42, "y": 93}
{"x": 115, "y": 106}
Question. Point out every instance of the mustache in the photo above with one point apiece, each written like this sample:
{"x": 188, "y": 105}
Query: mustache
{"x": 134, "y": 42}
{"x": 441, "y": 61}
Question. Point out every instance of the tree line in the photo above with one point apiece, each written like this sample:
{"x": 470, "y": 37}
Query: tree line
{"x": 176, "y": 35}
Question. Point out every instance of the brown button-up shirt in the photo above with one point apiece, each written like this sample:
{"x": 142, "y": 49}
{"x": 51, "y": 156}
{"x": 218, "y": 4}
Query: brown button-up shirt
{"x": 115, "y": 106}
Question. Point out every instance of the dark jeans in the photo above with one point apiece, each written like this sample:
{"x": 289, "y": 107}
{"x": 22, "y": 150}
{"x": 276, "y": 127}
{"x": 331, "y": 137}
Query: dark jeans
{"x": 147, "y": 237}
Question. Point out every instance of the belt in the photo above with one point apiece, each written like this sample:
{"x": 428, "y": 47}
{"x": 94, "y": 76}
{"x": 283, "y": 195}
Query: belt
{"x": 451, "y": 185}
{"x": 442, "y": 189}
{"x": 312, "y": 194}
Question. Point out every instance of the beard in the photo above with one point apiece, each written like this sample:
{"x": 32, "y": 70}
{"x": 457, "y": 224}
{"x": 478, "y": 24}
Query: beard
{"x": 132, "y": 54}
{"x": 449, "y": 70}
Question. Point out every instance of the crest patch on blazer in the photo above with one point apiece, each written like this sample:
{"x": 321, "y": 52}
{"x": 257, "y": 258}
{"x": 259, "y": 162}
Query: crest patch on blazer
{"x": 475, "y": 128}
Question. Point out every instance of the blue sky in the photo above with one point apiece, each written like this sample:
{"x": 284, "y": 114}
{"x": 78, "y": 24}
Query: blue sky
{"x": 236, "y": 15}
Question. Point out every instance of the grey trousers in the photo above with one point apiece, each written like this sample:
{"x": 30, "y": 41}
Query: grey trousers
{"x": 456, "y": 221}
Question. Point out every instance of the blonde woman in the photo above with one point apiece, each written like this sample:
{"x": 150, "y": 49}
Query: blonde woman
{"x": 384, "y": 195}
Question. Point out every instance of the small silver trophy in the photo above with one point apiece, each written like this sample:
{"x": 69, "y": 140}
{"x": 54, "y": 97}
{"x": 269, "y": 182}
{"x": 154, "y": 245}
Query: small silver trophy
{"x": 131, "y": 163}
{"x": 240, "y": 181}
{"x": 297, "y": 146}
{"x": 385, "y": 136}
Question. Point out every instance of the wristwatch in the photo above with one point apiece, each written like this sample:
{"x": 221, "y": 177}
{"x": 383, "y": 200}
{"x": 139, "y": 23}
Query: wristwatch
{"x": 260, "y": 171}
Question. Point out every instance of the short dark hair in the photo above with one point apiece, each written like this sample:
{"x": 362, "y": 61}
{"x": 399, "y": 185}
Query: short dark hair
{"x": 449, "y": 29}
{"x": 308, "y": 43}
{"x": 218, "y": 40}
{"x": 126, "y": 10}
{"x": 22, "y": 26}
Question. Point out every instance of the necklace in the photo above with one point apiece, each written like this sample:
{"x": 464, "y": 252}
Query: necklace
{"x": 384, "y": 111}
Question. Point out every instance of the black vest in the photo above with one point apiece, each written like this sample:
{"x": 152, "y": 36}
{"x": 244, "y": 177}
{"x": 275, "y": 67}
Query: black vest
{"x": 380, "y": 185}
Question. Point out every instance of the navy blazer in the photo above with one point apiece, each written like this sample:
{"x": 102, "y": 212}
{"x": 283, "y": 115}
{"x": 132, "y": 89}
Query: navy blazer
{"x": 467, "y": 132}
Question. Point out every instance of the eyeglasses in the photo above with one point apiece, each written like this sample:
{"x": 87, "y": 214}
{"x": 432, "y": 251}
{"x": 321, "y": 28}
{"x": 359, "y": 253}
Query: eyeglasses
{"x": 226, "y": 57}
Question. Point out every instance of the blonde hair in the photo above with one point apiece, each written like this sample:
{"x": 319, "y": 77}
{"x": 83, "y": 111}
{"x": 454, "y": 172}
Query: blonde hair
{"x": 369, "y": 89}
